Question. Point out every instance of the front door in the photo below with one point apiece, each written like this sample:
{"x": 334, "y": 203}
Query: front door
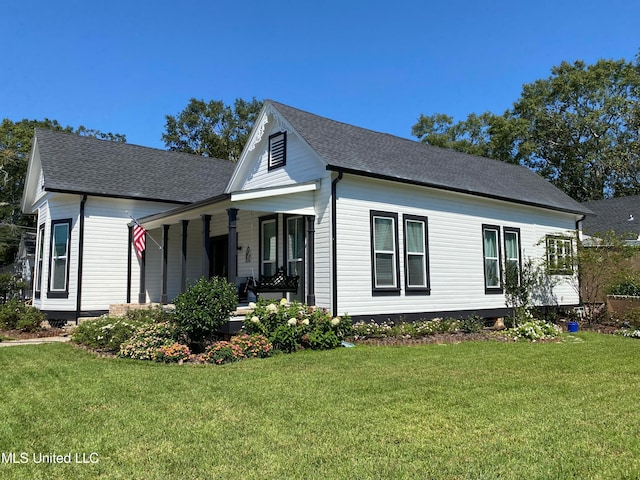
{"x": 220, "y": 256}
{"x": 295, "y": 254}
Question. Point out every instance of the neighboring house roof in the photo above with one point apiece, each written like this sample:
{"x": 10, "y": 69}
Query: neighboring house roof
{"x": 620, "y": 215}
{"x": 87, "y": 165}
{"x": 357, "y": 150}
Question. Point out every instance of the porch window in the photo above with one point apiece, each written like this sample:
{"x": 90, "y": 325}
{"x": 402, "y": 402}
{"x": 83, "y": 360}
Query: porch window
{"x": 491, "y": 253}
{"x": 59, "y": 259}
{"x": 268, "y": 247}
{"x": 384, "y": 252}
{"x": 416, "y": 254}
{"x": 38, "y": 265}
{"x": 512, "y": 254}
{"x": 277, "y": 150}
{"x": 559, "y": 255}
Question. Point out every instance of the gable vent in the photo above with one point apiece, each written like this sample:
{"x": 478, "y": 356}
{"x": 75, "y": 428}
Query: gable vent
{"x": 277, "y": 150}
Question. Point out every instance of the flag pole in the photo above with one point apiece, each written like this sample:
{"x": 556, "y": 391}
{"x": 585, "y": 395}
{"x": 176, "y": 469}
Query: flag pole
{"x": 147, "y": 233}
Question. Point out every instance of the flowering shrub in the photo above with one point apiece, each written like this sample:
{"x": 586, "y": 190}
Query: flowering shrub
{"x": 174, "y": 353}
{"x": 146, "y": 342}
{"x": 629, "y": 333}
{"x": 534, "y": 330}
{"x": 222, "y": 352}
{"x": 291, "y": 326}
{"x": 422, "y": 328}
{"x": 105, "y": 333}
{"x": 253, "y": 346}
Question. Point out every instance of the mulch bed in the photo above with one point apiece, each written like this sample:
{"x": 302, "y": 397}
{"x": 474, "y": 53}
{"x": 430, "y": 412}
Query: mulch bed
{"x": 44, "y": 333}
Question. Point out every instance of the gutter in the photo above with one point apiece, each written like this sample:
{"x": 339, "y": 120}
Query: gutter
{"x": 334, "y": 243}
{"x": 80, "y": 258}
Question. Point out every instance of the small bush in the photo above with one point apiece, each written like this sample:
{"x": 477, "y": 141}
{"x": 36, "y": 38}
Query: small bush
{"x": 204, "y": 307}
{"x": 628, "y": 286}
{"x": 253, "y": 346}
{"x": 174, "y": 353}
{"x": 534, "y": 330}
{"x": 15, "y": 315}
{"x": 473, "y": 324}
{"x": 146, "y": 342}
{"x": 109, "y": 333}
{"x": 291, "y": 326}
{"x": 222, "y": 352}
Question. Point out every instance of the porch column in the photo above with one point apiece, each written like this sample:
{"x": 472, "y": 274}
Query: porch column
{"x": 206, "y": 246}
{"x": 164, "y": 297}
{"x": 142, "y": 291}
{"x": 183, "y": 257}
{"x": 129, "y": 269}
{"x": 311, "y": 260}
{"x": 232, "y": 259}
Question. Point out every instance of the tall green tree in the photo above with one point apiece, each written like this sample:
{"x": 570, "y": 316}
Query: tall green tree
{"x": 212, "y": 129}
{"x": 578, "y": 128}
{"x": 16, "y": 139}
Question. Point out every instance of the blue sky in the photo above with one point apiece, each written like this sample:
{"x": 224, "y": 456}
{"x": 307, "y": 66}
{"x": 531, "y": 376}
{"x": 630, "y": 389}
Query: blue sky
{"x": 121, "y": 66}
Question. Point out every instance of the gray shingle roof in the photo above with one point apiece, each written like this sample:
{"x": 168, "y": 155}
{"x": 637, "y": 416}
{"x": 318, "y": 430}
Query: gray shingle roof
{"x": 349, "y": 148}
{"x": 71, "y": 163}
{"x": 620, "y": 214}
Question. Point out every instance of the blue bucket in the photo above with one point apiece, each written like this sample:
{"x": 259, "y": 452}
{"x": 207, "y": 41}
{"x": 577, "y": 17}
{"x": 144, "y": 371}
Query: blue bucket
{"x": 572, "y": 327}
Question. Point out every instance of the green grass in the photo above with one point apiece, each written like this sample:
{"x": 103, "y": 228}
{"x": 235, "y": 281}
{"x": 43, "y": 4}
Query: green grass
{"x": 469, "y": 410}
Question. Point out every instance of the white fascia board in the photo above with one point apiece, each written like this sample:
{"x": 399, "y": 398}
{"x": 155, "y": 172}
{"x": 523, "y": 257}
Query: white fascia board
{"x": 274, "y": 191}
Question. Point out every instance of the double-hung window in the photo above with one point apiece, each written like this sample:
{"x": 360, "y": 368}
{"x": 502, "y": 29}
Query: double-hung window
{"x": 38, "y": 265}
{"x": 416, "y": 263}
{"x": 384, "y": 252}
{"x": 491, "y": 254}
{"x": 59, "y": 259}
{"x": 268, "y": 245}
{"x": 512, "y": 254}
{"x": 559, "y": 255}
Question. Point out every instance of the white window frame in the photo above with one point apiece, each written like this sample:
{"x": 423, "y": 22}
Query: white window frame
{"x": 559, "y": 255}
{"x": 272, "y": 261}
{"x": 511, "y": 231}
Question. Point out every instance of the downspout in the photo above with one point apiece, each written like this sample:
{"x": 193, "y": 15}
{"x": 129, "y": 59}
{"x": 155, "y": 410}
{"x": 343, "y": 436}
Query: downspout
{"x": 80, "y": 258}
{"x": 334, "y": 244}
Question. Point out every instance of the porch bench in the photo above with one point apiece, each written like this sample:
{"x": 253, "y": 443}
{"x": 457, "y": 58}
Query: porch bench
{"x": 280, "y": 282}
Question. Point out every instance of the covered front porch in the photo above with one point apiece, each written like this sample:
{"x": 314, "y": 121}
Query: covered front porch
{"x": 236, "y": 236}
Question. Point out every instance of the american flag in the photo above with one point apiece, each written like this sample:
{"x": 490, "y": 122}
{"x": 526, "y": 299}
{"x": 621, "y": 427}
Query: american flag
{"x": 139, "y": 234}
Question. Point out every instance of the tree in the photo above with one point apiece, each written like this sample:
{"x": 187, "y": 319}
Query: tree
{"x": 15, "y": 146}
{"x": 212, "y": 129}
{"x": 579, "y": 129}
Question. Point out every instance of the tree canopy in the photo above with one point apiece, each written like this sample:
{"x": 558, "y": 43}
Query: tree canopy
{"x": 212, "y": 129}
{"x": 578, "y": 128}
{"x": 16, "y": 139}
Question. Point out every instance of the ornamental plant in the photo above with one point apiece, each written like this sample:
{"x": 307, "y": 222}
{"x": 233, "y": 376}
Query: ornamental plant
{"x": 534, "y": 330}
{"x": 174, "y": 353}
{"x": 203, "y": 308}
{"x": 222, "y": 352}
{"x": 292, "y": 326}
{"x": 146, "y": 342}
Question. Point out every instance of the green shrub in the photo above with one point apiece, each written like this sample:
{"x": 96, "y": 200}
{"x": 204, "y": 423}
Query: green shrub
{"x": 291, "y": 326}
{"x": 174, "y": 353}
{"x": 628, "y": 286}
{"x": 253, "y": 346}
{"x": 205, "y": 307}
{"x": 30, "y": 319}
{"x": 15, "y": 315}
{"x": 106, "y": 333}
{"x": 222, "y": 352}
{"x": 534, "y": 330}
{"x": 146, "y": 342}
{"x": 472, "y": 324}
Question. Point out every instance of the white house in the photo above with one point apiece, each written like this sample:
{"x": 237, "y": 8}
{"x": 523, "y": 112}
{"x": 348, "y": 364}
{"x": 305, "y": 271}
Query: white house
{"x": 85, "y": 192}
{"x": 374, "y": 225}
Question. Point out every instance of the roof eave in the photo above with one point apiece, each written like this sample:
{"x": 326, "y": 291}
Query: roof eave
{"x": 110, "y": 195}
{"x": 361, "y": 173}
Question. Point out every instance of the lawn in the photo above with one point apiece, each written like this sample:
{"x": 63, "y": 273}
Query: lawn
{"x": 467, "y": 410}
